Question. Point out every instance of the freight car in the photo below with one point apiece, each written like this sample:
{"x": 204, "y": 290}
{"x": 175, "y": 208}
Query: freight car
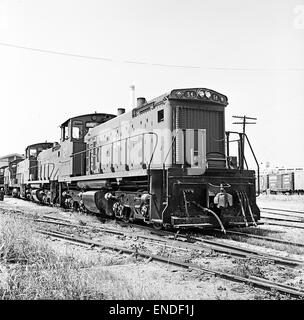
{"x": 286, "y": 182}
{"x": 167, "y": 162}
{"x": 299, "y": 181}
{"x": 264, "y": 182}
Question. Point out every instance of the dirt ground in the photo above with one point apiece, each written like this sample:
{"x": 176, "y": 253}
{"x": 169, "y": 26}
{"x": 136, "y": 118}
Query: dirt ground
{"x": 125, "y": 277}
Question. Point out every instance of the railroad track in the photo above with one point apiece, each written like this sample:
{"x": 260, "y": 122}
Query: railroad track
{"x": 291, "y": 216}
{"x": 283, "y": 210}
{"x": 282, "y": 217}
{"x": 275, "y": 223}
{"x": 250, "y": 280}
{"x": 187, "y": 242}
{"x": 279, "y": 218}
{"x": 214, "y": 245}
{"x": 264, "y": 238}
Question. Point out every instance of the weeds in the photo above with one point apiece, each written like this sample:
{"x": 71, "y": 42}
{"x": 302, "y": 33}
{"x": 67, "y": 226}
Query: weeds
{"x": 245, "y": 269}
{"x": 31, "y": 269}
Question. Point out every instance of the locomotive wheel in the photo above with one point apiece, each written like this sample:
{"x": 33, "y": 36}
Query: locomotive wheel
{"x": 126, "y": 214}
{"x": 157, "y": 225}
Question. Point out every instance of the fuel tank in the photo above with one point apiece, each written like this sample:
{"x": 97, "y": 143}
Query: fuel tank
{"x": 94, "y": 201}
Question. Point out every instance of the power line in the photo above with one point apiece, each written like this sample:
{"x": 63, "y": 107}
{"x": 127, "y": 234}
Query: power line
{"x": 92, "y": 57}
{"x": 106, "y": 59}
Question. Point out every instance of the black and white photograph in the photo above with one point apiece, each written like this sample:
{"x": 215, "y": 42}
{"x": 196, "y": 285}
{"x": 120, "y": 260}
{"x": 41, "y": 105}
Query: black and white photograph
{"x": 151, "y": 153}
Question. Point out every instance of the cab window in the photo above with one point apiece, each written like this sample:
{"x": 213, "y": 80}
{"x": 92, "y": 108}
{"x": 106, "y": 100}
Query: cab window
{"x": 77, "y": 130}
{"x": 32, "y": 152}
{"x": 160, "y": 116}
{"x": 65, "y": 133}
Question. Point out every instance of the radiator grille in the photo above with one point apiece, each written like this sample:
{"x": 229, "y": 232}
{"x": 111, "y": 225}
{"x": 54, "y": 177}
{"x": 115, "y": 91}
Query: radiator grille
{"x": 191, "y": 117}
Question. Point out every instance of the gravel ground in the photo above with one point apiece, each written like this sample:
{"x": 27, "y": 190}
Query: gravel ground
{"x": 156, "y": 280}
{"x": 291, "y": 202}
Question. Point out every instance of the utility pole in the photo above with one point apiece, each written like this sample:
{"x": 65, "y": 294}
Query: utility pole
{"x": 244, "y": 122}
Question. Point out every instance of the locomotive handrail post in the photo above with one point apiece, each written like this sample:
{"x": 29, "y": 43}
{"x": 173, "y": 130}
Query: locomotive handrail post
{"x": 142, "y": 148}
{"x": 241, "y": 144}
{"x": 227, "y": 146}
{"x": 152, "y": 155}
{"x": 257, "y": 163}
{"x": 254, "y": 156}
{"x": 81, "y": 160}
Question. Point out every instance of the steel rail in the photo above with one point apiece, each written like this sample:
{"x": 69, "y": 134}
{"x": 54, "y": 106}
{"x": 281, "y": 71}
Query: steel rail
{"x": 300, "y": 216}
{"x": 284, "y": 210}
{"x": 233, "y": 249}
{"x": 209, "y": 244}
{"x": 251, "y": 280}
{"x": 226, "y": 249}
{"x": 273, "y": 223}
{"x": 281, "y": 219}
{"x": 250, "y": 235}
{"x": 213, "y": 245}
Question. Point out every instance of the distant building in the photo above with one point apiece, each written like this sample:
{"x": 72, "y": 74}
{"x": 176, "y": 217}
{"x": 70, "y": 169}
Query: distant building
{"x": 5, "y": 160}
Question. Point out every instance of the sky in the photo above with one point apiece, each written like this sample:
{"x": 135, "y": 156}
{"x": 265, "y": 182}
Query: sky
{"x": 251, "y": 51}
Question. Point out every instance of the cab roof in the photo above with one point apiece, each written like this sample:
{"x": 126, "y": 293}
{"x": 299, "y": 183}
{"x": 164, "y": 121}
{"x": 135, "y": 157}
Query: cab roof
{"x": 104, "y": 115}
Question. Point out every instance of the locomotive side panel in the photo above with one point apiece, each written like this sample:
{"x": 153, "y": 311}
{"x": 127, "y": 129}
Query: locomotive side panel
{"x": 129, "y": 143}
{"x": 49, "y": 164}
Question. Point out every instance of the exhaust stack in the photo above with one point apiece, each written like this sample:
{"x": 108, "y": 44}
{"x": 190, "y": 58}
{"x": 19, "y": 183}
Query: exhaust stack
{"x": 120, "y": 111}
{"x": 132, "y": 96}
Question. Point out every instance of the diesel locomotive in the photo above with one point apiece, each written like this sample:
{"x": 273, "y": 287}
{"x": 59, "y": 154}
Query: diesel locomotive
{"x": 166, "y": 162}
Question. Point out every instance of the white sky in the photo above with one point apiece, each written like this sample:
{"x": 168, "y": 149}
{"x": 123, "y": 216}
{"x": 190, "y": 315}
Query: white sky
{"x": 251, "y": 51}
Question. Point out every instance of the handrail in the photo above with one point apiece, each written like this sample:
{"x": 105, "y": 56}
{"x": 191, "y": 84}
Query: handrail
{"x": 173, "y": 140}
{"x": 47, "y": 163}
{"x": 243, "y": 155}
{"x": 110, "y": 143}
{"x": 120, "y": 140}
{"x": 257, "y": 163}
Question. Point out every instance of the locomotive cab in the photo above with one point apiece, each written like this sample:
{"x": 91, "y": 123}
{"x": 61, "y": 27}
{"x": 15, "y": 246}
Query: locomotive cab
{"x": 73, "y": 147}
{"x": 2, "y": 169}
{"x": 31, "y": 153}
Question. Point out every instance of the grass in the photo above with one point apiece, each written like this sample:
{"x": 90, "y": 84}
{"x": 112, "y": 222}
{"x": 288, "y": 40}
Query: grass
{"x": 244, "y": 268}
{"x": 32, "y": 269}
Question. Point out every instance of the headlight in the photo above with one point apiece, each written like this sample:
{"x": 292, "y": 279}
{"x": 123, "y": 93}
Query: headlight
{"x": 208, "y": 94}
{"x": 179, "y": 93}
{"x": 201, "y": 93}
